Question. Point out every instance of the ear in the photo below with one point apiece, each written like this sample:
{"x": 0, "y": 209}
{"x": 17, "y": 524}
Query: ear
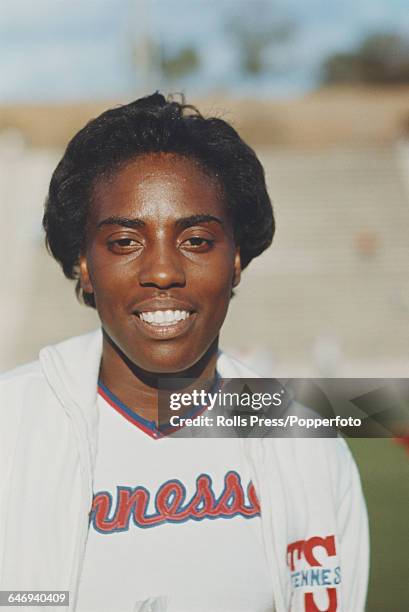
{"x": 237, "y": 268}
{"x": 85, "y": 279}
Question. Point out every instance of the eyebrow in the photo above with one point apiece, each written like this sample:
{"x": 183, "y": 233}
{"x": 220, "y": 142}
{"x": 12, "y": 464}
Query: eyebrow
{"x": 183, "y": 222}
{"x": 124, "y": 221}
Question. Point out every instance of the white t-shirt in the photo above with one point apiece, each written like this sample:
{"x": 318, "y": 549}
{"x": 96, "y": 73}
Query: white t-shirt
{"x": 174, "y": 520}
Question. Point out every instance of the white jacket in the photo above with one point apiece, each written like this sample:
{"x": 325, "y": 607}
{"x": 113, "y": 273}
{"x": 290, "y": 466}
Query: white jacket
{"x": 313, "y": 514}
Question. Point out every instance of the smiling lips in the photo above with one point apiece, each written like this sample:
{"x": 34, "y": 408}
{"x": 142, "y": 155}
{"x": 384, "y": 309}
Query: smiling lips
{"x": 164, "y": 324}
{"x": 164, "y": 318}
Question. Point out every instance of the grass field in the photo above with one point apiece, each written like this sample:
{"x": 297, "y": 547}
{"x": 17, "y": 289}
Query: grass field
{"x": 384, "y": 468}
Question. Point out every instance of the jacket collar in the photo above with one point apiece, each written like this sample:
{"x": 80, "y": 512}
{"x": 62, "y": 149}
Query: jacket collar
{"x": 72, "y": 367}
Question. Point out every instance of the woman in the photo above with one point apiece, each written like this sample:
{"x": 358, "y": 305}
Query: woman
{"x": 155, "y": 210}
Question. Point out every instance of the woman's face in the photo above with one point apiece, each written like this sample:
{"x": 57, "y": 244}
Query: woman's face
{"x": 161, "y": 261}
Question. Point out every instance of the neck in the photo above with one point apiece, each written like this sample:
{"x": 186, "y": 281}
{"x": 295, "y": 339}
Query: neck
{"x": 140, "y": 390}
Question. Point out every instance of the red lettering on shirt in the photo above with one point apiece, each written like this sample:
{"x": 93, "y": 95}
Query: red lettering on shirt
{"x": 171, "y": 505}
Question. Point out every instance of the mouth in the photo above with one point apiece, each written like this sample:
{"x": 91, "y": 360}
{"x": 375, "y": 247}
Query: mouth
{"x": 165, "y": 324}
{"x": 164, "y": 318}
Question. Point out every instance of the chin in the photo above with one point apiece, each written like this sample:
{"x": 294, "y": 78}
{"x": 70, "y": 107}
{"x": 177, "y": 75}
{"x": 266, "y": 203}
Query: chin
{"x": 167, "y": 359}
{"x": 165, "y": 369}
{"x": 166, "y": 366}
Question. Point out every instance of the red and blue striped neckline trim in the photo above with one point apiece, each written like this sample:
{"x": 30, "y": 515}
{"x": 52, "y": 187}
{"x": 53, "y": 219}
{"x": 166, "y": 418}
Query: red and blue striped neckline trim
{"x": 148, "y": 427}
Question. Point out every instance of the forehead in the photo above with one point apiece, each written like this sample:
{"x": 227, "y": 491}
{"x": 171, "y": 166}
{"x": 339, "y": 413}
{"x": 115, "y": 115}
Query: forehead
{"x": 160, "y": 185}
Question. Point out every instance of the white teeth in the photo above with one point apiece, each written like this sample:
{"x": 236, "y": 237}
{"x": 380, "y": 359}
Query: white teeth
{"x": 159, "y": 316}
{"x": 164, "y": 317}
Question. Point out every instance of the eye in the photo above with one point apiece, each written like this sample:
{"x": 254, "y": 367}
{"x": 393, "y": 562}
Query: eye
{"x": 198, "y": 243}
{"x": 124, "y": 245}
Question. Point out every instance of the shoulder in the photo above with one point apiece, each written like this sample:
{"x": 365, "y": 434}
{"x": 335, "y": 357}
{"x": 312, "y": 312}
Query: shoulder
{"x": 15, "y": 383}
{"x": 68, "y": 355}
{"x": 20, "y": 388}
{"x": 26, "y": 397}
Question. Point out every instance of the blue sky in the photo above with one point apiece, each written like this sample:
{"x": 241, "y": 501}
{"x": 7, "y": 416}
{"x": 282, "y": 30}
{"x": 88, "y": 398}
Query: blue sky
{"x": 57, "y": 50}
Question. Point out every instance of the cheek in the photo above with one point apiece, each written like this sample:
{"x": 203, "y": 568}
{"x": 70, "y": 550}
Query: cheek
{"x": 213, "y": 287}
{"x": 111, "y": 286}
{"x": 110, "y": 274}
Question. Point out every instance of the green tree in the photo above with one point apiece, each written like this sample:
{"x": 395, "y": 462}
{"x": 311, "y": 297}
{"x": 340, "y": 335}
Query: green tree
{"x": 381, "y": 58}
{"x": 154, "y": 61}
{"x": 257, "y": 30}
{"x": 178, "y": 64}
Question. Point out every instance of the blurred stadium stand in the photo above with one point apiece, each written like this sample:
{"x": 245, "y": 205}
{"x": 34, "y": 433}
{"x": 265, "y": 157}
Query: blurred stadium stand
{"x": 330, "y": 298}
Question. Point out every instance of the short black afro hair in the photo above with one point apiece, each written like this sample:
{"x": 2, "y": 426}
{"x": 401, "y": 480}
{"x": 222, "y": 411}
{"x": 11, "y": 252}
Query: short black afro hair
{"x": 154, "y": 124}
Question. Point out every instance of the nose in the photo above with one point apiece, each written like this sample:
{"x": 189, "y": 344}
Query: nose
{"x": 162, "y": 268}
